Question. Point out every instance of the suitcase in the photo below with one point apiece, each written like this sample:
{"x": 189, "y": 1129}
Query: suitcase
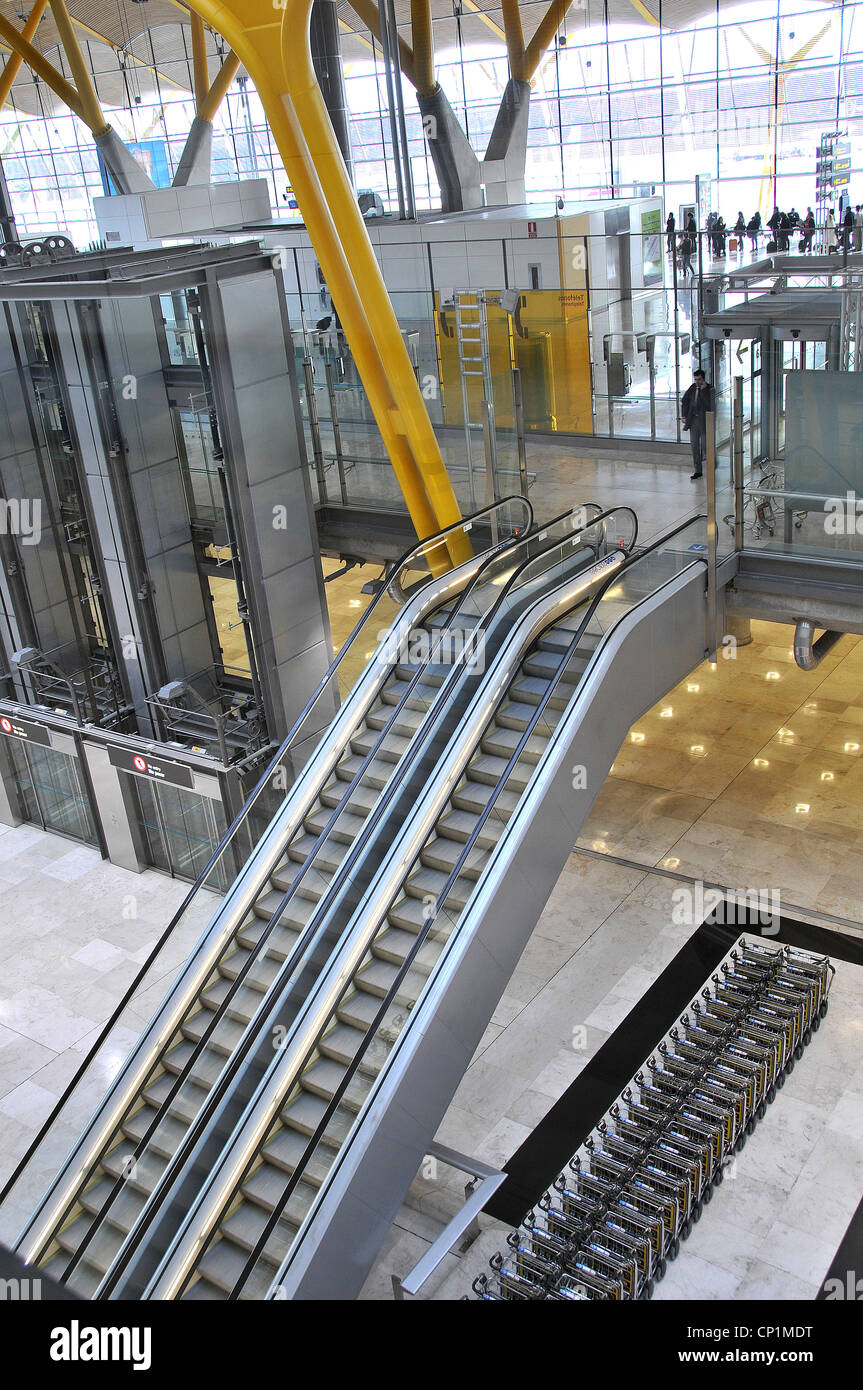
{"x": 732, "y": 243}
{"x": 771, "y": 247}
{"x": 801, "y": 245}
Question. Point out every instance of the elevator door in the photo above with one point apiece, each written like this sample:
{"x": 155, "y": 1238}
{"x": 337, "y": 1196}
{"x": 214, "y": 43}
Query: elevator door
{"x": 51, "y": 792}
{"x": 179, "y": 829}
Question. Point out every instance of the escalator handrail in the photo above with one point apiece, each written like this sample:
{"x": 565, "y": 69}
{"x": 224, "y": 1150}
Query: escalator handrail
{"x": 254, "y": 958}
{"x": 316, "y": 923}
{"x": 387, "y": 1002}
{"x": 403, "y": 769}
{"x": 238, "y": 820}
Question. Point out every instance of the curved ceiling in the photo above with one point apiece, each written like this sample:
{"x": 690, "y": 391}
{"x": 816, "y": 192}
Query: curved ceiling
{"x": 138, "y": 47}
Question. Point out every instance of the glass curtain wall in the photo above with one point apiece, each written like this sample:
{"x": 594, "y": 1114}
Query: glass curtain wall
{"x": 742, "y": 93}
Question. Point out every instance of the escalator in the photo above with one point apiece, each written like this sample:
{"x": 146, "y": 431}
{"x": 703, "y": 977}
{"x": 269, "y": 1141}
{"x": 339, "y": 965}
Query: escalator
{"x": 292, "y": 876}
{"x": 261, "y": 1223}
{"x": 221, "y": 1165}
{"x": 215, "y": 1023}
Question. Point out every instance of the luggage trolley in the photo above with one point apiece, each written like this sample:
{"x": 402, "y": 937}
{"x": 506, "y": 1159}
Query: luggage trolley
{"x": 609, "y": 1224}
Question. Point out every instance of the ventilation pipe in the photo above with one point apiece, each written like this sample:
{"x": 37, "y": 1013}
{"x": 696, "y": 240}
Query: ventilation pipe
{"x": 809, "y": 652}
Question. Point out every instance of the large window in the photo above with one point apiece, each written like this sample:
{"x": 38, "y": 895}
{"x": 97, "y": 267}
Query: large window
{"x": 742, "y": 94}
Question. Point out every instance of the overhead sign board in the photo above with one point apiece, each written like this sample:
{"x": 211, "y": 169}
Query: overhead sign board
{"x": 23, "y": 729}
{"x": 155, "y": 769}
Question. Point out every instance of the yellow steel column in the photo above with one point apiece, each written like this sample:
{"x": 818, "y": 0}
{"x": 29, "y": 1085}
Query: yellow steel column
{"x": 514, "y": 39}
{"x": 91, "y": 110}
{"x": 423, "y": 45}
{"x": 208, "y": 108}
{"x": 548, "y": 27}
{"x": 200, "y": 66}
{"x": 291, "y": 97}
{"x": 14, "y": 61}
{"x": 15, "y": 40}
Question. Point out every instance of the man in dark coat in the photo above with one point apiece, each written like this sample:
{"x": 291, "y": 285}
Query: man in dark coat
{"x": 697, "y": 402}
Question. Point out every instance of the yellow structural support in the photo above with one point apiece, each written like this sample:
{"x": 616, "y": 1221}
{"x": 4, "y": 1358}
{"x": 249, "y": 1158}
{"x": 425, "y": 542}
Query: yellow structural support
{"x": 200, "y": 66}
{"x": 514, "y": 39}
{"x": 14, "y": 39}
{"x": 370, "y": 15}
{"x": 13, "y": 64}
{"x": 274, "y": 49}
{"x": 548, "y": 27}
{"x": 89, "y": 106}
{"x": 209, "y": 107}
{"x": 423, "y": 46}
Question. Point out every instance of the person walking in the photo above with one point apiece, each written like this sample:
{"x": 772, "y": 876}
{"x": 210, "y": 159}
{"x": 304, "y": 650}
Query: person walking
{"x": 847, "y": 228}
{"x": 830, "y": 241}
{"x": 858, "y": 228}
{"x": 669, "y": 233}
{"x": 696, "y": 404}
{"x": 687, "y": 246}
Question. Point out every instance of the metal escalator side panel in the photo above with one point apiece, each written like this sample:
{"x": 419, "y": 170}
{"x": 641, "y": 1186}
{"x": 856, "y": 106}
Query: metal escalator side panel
{"x": 236, "y": 905}
{"x": 652, "y": 648}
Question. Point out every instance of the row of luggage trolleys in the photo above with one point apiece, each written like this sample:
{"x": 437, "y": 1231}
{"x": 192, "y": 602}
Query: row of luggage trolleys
{"x": 641, "y": 1180}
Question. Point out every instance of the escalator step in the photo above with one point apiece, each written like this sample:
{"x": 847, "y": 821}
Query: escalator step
{"x": 420, "y": 698}
{"x": 431, "y": 883}
{"x": 344, "y": 830}
{"x": 280, "y": 942}
{"x": 206, "y": 1068}
{"x": 267, "y": 1185}
{"x": 328, "y": 856}
{"x": 458, "y": 826}
{"x": 390, "y": 747}
{"x": 222, "y": 1267}
{"x": 377, "y": 977}
{"x": 376, "y": 775}
{"x": 360, "y": 1010}
{"x": 531, "y": 689}
{"x": 473, "y": 797}
{"x": 293, "y": 916}
{"x": 342, "y": 1044}
{"x": 287, "y": 1148}
{"x": 324, "y": 1077}
{"x": 393, "y": 946}
{"x": 444, "y": 854}
{"x": 244, "y": 1003}
{"x": 409, "y": 913}
{"x": 148, "y": 1167}
{"x": 185, "y": 1105}
{"x": 543, "y": 665}
{"x": 262, "y": 974}
{"x": 503, "y": 743}
{"x": 489, "y": 768}
{"x": 85, "y": 1278}
{"x": 246, "y": 1224}
{"x": 514, "y": 715}
{"x": 434, "y": 674}
{"x": 304, "y": 1111}
{"x": 361, "y": 801}
{"x": 312, "y": 885}
{"x": 167, "y": 1137}
{"x": 224, "y": 1037}
{"x": 405, "y": 723}
{"x": 122, "y": 1212}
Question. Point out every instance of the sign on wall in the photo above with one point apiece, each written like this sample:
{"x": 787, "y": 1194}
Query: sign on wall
{"x": 23, "y": 729}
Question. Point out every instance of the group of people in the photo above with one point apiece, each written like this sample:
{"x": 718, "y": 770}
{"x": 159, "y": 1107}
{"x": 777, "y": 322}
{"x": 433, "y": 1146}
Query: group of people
{"x": 780, "y": 226}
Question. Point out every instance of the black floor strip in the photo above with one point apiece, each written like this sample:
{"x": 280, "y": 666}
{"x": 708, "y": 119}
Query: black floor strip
{"x": 844, "y": 1279}
{"x": 533, "y": 1168}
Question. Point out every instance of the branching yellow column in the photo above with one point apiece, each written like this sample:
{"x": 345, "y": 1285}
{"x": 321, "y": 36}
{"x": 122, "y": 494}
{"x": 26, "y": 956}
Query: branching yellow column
{"x": 91, "y": 111}
{"x": 274, "y": 48}
{"x": 514, "y": 39}
{"x": 200, "y": 66}
{"x": 423, "y": 43}
{"x": 13, "y": 63}
{"x": 40, "y": 65}
{"x": 209, "y": 107}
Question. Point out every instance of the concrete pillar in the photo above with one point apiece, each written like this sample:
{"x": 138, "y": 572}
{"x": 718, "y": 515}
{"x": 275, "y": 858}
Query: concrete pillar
{"x": 121, "y": 164}
{"x": 196, "y": 162}
{"x": 739, "y": 627}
